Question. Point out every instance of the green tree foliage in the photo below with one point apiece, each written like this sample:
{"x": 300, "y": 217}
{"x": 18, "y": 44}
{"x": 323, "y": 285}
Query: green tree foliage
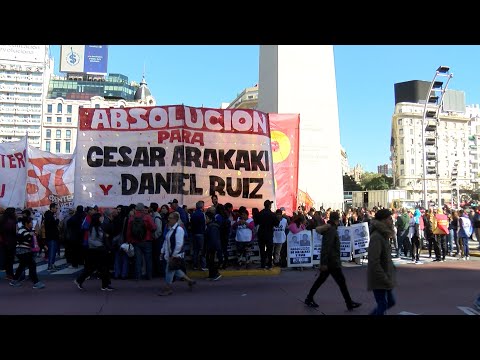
{"x": 349, "y": 184}
{"x": 372, "y": 181}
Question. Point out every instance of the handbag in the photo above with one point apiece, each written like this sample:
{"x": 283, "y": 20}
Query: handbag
{"x": 175, "y": 263}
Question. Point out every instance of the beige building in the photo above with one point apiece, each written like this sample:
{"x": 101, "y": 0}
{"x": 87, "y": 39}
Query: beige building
{"x": 457, "y": 148}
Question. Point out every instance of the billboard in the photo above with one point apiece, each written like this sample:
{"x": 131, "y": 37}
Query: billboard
{"x": 90, "y": 59}
{"x": 30, "y": 53}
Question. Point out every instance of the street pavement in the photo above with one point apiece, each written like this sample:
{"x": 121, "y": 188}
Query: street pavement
{"x": 429, "y": 288}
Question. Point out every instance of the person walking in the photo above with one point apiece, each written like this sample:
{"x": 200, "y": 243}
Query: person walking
{"x": 24, "y": 252}
{"x": 96, "y": 255}
{"x": 380, "y": 269}
{"x": 330, "y": 263}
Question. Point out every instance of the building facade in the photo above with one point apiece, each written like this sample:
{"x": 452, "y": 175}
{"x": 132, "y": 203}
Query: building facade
{"x": 344, "y": 160}
{"x": 60, "y": 118}
{"x": 24, "y": 74}
{"x": 384, "y": 169}
{"x": 457, "y": 157}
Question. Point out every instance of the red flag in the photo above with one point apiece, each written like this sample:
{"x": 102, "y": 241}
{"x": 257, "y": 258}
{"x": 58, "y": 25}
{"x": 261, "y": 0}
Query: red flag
{"x": 285, "y": 139}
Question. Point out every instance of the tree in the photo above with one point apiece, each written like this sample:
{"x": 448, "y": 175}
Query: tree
{"x": 372, "y": 181}
{"x": 349, "y": 184}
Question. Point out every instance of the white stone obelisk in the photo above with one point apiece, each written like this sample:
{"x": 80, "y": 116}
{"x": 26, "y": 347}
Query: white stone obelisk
{"x": 301, "y": 79}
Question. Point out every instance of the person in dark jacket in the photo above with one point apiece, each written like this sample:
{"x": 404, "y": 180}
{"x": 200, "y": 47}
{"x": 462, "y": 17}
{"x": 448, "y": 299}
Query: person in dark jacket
{"x": 330, "y": 263}
{"x": 380, "y": 270}
{"x": 52, "y": 234}
{"x": 74, "y": 224}
{"x": 8, "y": 234}
{"x": 266, "y": 221}
{"x": 212, "y": 245}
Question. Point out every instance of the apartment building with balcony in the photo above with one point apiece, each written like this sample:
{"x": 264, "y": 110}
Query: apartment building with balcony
{"x": 23, "y": 73}
{"x": 453, "y": 160}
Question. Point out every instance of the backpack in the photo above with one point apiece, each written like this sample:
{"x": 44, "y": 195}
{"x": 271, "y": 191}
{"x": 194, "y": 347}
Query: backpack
{"x": 139, "y": 229}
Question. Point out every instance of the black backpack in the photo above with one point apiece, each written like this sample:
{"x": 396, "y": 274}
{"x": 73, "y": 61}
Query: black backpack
{"x": 139, "y": 229}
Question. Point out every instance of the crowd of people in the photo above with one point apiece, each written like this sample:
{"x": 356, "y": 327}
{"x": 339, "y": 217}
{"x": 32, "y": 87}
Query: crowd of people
{"x": 141, "y": 242}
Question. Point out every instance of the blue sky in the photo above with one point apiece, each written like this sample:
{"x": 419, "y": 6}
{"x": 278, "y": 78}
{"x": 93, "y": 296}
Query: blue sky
{"x": 209, "y": 75}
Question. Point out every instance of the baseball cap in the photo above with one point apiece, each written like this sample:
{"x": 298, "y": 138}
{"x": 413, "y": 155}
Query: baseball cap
{"x": 174, "y": 201}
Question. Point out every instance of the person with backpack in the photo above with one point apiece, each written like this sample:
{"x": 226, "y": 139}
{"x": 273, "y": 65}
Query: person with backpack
{"x": 139, "y": 233}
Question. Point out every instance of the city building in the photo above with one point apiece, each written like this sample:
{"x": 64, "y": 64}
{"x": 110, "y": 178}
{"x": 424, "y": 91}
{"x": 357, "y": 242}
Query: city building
{"x": 65, "y": 96}
{"x": 344, "y": 160}
{"x": 247, "y": 99}
{"x": 357, "y": 172}
{"x": 456, "y": 142}
{"x": 384, "y": 169}
{"x": 24, "y": 74}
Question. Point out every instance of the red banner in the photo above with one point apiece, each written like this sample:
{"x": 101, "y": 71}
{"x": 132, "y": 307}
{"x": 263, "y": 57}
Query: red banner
{"x": 285, "y": 139}
{"x": 304, "y": 199}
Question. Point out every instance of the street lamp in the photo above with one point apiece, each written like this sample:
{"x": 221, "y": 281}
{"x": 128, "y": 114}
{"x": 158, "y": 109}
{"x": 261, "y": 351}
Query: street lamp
{"x": 430, "y": 122}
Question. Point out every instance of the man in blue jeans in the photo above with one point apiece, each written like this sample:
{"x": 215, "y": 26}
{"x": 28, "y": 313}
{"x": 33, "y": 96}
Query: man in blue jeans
{"x": 380, "y": 270}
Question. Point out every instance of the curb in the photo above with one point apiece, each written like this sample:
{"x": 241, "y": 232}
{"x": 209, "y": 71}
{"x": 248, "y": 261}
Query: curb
{"x": 233, "y": 273}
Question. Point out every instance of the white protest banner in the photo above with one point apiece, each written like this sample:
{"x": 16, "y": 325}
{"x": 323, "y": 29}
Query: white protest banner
{"x": 299, "y": 249}
{"x": 345, "y": 243}
{"x": 13, "y": 173}
{"x": 144, "y": 154}
{"x": 361, "y": 239}
{"x": 317, "y": 247}
{"x": 50, "y": 178}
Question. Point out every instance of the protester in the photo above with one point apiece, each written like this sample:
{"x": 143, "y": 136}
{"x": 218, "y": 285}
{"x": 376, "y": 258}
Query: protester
{"x": 330, "y": 263}
{"x": 380, "y": 269}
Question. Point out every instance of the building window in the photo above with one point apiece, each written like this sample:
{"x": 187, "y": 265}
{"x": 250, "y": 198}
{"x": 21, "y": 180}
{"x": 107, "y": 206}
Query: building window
{"x": 69, "y": 119}
{"x": 412, "y": 161}
{"x": 68, "y": 134}
{"x": 49, "y": 119}
{"x": 47, "y": 145}
{"x": 97, "y": 106}
{"x": 49, "y": 108}
{"x": 67, "y": 147}
{"x": 400, "y": 132}
{"x": 402, "y": 162}
{"x": 48, "y": 134}
{"x": 58, "y": 134}
{"x": 399, "y": 121}
{"x": 411, "y": 131}
{"x": 402, "y": 172}
{"x": 412, "y": 172}
{"x": 59, "y": 119}
{"x": 69, "y": 109}
{"x": 57, "y": 146}
{"x": 59, "y": 108}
